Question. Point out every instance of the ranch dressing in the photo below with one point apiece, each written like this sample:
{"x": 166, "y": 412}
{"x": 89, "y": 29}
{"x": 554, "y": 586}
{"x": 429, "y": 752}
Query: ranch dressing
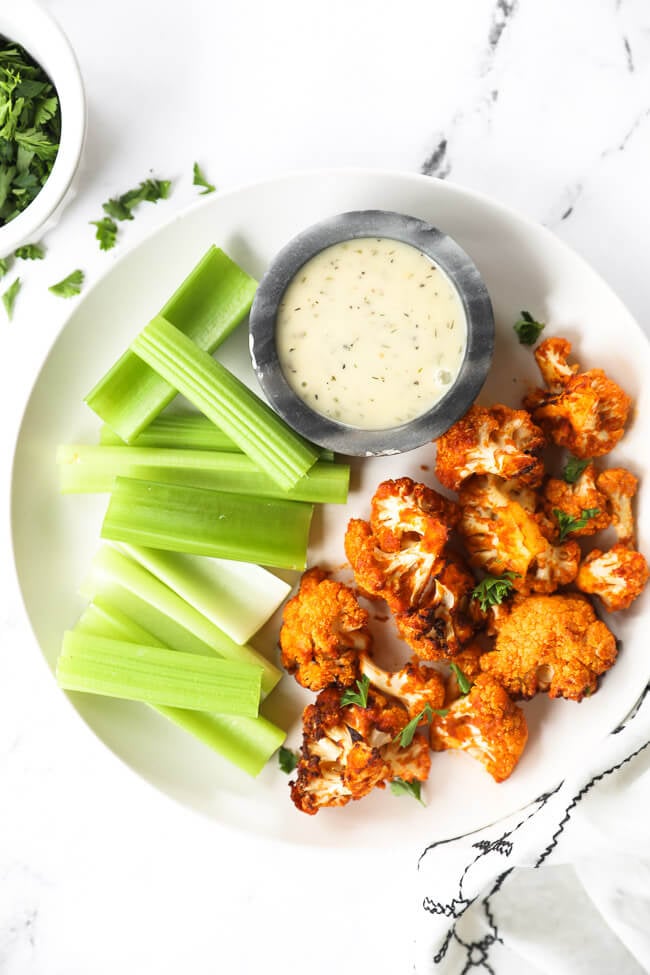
{"x": 371, "y": 333}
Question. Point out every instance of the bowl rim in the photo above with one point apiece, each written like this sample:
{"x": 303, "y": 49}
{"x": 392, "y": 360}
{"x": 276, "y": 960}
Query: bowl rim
{"x": 37, "y": 31}
{"x": 453, "y": 261}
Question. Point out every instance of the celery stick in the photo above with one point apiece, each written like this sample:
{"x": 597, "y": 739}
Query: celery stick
{"x": 220, "y": 396}
{"x": 159, "y": 676}
{"x": 214, "y": 298}
{"x": 134, "y": 591}
{"x": 238, "y": 597}
{"x": 246, "y": 742}
{"x": 185, "y": 431}
{"x": 87, "y": 468}
{"x": 268, "y": 531}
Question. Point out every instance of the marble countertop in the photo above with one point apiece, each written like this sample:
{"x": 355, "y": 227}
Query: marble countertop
{"x": 544, "y": 106}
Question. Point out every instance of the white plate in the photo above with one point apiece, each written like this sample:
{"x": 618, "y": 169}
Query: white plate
{"x": 524, "y": 266}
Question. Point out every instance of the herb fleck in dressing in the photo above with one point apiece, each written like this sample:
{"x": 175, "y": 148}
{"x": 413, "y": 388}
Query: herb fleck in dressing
{"x": 371, "y": 333}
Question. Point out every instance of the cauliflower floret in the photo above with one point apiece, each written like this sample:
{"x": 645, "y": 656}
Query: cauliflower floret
{"x": 442, "y": 621}
{"x": 486, "y": 724}
{"x": 349, "y": 750}
{"x": 574, "y": 499}
{"x": 619, "y": 487}
{"x": 552, "y": 643}
{"x": 551, "y": 356}
{"x": 556, "y": 566}
{"x": 404, "y": 511}
{"x": 495, "y": 440}
{"x": 401, "y": 578}
{"x": 585, "y": 412}
{"x": 498, "y": 527}
{"x": 398, "y": 554}
{"x": 415, "y": 684}
{"x": 502, "y": 533}
{"x": 323, "y": 631}
{"x": 617, "y": 577}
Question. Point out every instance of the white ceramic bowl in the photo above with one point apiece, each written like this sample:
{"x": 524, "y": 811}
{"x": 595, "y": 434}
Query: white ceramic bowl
{"x": 29, "y": 25}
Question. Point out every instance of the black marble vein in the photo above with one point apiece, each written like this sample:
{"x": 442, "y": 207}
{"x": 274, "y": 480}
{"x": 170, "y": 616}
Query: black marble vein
{"x": 501, "y": 15}
{"x": 437, "y": 164}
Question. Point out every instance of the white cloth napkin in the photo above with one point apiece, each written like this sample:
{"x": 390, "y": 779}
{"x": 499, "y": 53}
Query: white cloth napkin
{"x": 561, "y": 887}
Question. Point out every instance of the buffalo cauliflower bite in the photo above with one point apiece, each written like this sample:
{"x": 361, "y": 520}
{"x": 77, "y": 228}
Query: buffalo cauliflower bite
{"x": 401, "y": 578}
{"x": 617, "y": 577}
{"x": 550, "y": 643}
{"x": 502, "y": 533}
{"x": 404, "y": 511}
{"x": 494, "y": 440}
{"x": 584, "y": 412}
{"x": 348, "y": 750}
{"x": 486, "y": 724}
{"x": 442, "y": 621}
{"x": 498, "y": 527}
{"x": 323, "y": 631}
{"x": 551, "y": 356}
{"x": 556, "y": 566}
{"x": 619, "y": 487}
{"x": 573, "y": 499}
{"x": 415, "y": 684}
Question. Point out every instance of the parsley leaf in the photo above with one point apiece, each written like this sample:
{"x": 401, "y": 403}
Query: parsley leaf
{"x": 200, "y": 180}
{"x": 401, "y": 787}
{"x": 106, "y": 232}
{"x": 406, "y": 735}
{"x": 574, "y": 468}
{"x": 287, "y": 759}
{"x": 528, "y": 329}
{"x": 148, "y": 191}
{"x": 4, "y": 266}
{"x": 464, "y": 683}
{"x": 568, "y": 523}
{"x": 494, "y": 589}
{"x": 70, "y": 286}
{"x": 30, "y": 252}
{"x": 9, "y": 297}
{"x": 117, "y": 210}
{"x": 360, "y": 696}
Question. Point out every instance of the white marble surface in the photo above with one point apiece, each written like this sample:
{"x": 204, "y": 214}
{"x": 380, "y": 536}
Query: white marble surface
{"x": 543, "y": 105}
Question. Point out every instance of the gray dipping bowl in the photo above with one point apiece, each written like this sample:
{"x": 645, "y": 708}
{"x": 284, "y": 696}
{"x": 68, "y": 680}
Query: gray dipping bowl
{"x": 458, "y": 266}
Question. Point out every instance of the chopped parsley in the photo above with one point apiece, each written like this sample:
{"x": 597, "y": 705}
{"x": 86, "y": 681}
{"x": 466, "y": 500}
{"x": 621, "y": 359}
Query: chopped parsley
{"x": 360, "y": 696}
{"x": 30, "y": 129}
{"x": 200, "y": 180}
{"x": 407, "y": 734}
{"x": 122, "y": 207}
{"x": 287, "y": 759}
{"x": 4, "y": 266}
{"x": 528, "y": 329}
{"x": 401, "y": 787}
{"x": 69, "y": 286}
{"x": 148, "y": 191}
{"x": 106, "y": 232}
{"x": 464, "y": 683}
{"x": 573, "y": 468}
{"x": 493, "y": 589}
{"x": 30, "y": 252}
{"x": 9, "y": 297}
{"x": 568, "y": 523}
